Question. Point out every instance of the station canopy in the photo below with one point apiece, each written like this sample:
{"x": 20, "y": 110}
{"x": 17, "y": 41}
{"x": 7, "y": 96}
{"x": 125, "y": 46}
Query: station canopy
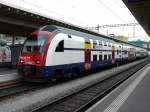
{"x": 141, "y": 11}
{"x": 20, "y": 21}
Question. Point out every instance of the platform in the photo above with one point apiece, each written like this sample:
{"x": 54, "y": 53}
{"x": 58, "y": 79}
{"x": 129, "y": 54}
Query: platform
{"x": 7, "y": 74}
{"x": 131, "y": 96}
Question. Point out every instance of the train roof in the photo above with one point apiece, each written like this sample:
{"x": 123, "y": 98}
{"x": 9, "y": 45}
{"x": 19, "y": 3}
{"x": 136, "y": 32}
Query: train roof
{"x": 60, "y": 28}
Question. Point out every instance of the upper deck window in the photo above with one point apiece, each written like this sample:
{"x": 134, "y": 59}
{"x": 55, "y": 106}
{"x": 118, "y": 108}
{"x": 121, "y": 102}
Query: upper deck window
{"x": 60, "y": 47}
{"x": 100, "y": 43}
{"x": 69, "y": 36}
{"x": 109, "y": 44}
{"x": 105, "y": 43}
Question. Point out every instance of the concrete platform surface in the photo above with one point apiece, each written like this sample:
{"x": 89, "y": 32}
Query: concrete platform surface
{"x": 131, "y": 96}
{"x": 8, "y": 75}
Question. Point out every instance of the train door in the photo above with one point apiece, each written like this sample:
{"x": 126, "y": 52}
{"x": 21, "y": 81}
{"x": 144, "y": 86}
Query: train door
{"x": 87, "y": 64}
{"x": 121, "y": 53}
{"x": 87, "y": 54}
{"x": 113, "y": 54}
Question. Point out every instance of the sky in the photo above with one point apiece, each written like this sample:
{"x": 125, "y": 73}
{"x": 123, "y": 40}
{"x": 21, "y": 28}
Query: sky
{"x": 87, "y": 13}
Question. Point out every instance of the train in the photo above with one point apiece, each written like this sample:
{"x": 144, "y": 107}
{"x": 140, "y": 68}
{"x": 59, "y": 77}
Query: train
{"x": 53, "y": 52}
{"x": 5, "y": 55}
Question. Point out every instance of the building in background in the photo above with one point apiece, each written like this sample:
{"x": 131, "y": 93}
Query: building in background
{"x": 122, "y": 38}
{"x": 10, "y": 48}
{"x": 8, "y": 39}
{"x": 138, "y": 42}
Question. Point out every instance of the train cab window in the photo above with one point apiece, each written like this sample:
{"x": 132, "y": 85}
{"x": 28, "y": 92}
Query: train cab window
{"x": 60, "y": 47}
{"x": 105, "y": 57}
{"x": 94, "y": 57}
{"x": 109, "y": 56}
{"x": 35, "y": 43}
{"x": 100, "y": 57}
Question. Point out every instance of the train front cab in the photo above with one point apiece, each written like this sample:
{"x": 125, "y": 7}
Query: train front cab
{"x": 33, "y": 56}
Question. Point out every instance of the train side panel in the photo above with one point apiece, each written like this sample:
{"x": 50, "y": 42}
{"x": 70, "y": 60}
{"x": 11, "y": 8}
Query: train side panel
{"x": 66, "y": 53}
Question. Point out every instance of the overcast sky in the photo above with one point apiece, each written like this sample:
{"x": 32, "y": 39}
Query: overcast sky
{"x": 86, "y": 13}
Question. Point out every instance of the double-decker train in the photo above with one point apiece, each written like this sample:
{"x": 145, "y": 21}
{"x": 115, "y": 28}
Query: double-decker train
{"x": 54, "y": 51}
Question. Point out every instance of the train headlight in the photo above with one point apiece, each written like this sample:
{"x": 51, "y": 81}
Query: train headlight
{"x": 21, "y": 61}
{"x": 37, "y": 62}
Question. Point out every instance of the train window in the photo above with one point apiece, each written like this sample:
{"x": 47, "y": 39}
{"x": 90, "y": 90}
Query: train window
{"x": 125, "y": 52}
{"x": 105, "y": 57}
{"x": 105, "y": 44}
{"x": 97, "y": 43}
{"x": 117, "y": 52}
{"x": 87, "y": 42}
{"x": 94, "y": 57}
{"x": 109, "y": 56}
{"x": 100, "y": 43}
{"x": 100, "y": 57}
{"x": 69, "y": 36}
{"x": 35, "y": 43}
{"x": 109, "y": 44}
{"x": 60, "y": 47}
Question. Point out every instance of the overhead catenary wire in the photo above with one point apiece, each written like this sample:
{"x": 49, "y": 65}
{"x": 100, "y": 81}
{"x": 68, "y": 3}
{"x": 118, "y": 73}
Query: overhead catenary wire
{"x": 97, "y": 28}
{"x": 111, "y": 11}
{"x": 115, "y": 25}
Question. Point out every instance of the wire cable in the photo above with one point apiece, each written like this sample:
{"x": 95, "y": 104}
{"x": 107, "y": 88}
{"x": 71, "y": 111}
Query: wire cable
{"x": 110, "y": 10}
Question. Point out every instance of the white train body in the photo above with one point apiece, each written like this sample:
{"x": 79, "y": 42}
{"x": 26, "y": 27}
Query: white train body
{"x": 67, "y": 56}
{"x": 58, "y": 49}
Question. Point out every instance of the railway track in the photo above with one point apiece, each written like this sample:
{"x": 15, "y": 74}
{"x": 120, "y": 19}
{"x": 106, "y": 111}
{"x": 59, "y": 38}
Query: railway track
{"x": 9, "y": 84}
{"x": 81, "y": 100}
{"x": 14, "y": 88}
{"x": 5, "y": 70}
{"x": 17, "y": 87}
{"x": 11, "y": 88}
